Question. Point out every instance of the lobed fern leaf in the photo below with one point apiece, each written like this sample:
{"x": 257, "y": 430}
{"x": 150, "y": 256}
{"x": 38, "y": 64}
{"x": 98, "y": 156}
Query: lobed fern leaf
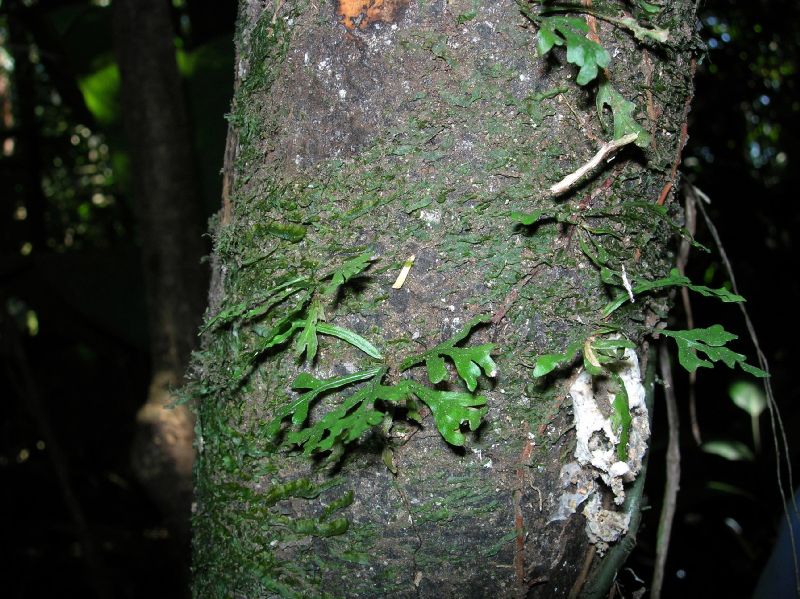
{"x": 711, "y": 342}
{"x": 469, "y": 361}
{"x": 581, "y": 51}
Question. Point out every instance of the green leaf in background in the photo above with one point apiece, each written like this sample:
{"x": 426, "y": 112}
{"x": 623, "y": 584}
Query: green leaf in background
{"x": 729, "y": 489}
{"x": 749, "y": 397}
{"x": 350, "y": 337}
{"x": 730, "y": 450}
{"x": 675, "y": 279}
{"x": 711, "y": 342}
{"x": 622, "y": 112}
{"x": 581, "y": 51}
{"x": 100, "y": 91}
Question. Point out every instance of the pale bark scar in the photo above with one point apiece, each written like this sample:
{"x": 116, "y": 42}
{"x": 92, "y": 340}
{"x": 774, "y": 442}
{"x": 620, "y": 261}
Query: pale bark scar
{"x": 361, "y": 13}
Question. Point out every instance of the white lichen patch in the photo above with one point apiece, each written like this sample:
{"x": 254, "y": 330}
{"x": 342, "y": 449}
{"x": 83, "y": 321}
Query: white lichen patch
{"x": 596, "y": 436}
{"x": 596, "y": 450}
{"x": 604, "y": 526}
{"x": 432, "y": 217}
{"x": 580, "y": 485}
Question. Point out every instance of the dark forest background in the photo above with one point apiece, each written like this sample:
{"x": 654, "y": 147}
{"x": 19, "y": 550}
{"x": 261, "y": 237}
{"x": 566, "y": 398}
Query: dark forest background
{"x": 76, "y": 358}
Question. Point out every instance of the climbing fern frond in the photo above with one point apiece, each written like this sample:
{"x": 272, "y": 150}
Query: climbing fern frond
{"x": 469, "y": 361}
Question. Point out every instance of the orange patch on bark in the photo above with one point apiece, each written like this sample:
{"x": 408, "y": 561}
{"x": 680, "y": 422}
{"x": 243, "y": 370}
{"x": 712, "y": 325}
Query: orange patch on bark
{"x": 360, "y": 13}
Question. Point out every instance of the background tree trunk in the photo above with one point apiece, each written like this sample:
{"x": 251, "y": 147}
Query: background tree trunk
{"x": 417, "y": 129}
{"x": 169, "y": 214}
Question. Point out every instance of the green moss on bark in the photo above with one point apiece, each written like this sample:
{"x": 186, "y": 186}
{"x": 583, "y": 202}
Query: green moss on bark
{"x": 433, "y": 166}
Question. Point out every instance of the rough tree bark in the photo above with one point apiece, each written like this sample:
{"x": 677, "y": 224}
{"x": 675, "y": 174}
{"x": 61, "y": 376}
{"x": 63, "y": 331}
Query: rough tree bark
{"x": 403, "y": 128}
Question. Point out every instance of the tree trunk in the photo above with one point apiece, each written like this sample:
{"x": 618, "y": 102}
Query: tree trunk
{"x": 390, "y": 129}
{"x": 169, "y": 214}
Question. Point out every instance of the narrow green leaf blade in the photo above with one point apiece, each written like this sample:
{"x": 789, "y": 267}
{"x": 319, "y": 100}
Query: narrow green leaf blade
{"x": 756, "y": 372}
{"x": 549, "y": 362}
{"x": 526, "y": 218}
{"x": 347, "y": 271}
{"x": 621, "y": 417}
{"x": 266, "y": 301}
{"x": 350, "y": 337}
{"x": 305, "y": 380}
{"x": 675, "y": 279}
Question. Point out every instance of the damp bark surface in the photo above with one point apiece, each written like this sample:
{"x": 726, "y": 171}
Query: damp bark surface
{"x": 419, "y": 128}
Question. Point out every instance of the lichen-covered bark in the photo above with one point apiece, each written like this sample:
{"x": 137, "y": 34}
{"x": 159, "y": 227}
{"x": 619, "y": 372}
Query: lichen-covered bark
{"x": 418, "y": 128}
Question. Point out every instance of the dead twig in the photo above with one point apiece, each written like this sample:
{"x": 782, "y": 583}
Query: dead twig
{"x": 519, "y": 522}
{"x": 604, "y": 153}
{"x": 690, "y": 210}
{"x": 673, "y": 472}
{"x": 584, "y": 573}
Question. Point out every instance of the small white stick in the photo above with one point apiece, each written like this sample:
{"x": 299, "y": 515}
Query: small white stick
{"x": 401, "y": 278}
{"x": 627, "y": 284}
{"x": 702, "y": 195}
{"x": 606, "y": 151}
